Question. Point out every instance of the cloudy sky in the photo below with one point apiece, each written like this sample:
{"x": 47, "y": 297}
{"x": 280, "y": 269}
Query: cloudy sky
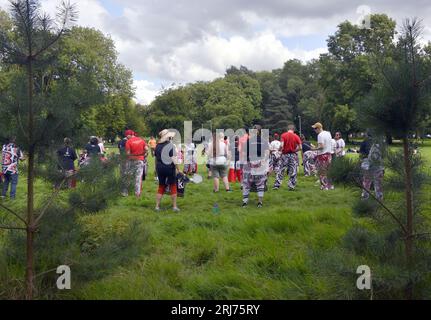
{"x": 182, "y": 41}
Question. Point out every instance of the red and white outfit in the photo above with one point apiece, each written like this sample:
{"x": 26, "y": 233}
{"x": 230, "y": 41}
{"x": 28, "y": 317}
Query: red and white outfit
{"x": 135, "y": 149}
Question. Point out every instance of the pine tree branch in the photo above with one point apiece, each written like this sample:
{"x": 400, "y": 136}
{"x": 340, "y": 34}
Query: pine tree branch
{"x": 418, "y": 235}
{"x": 52, "y": 270}
{"x": 53, "y": 129}
{"x": 51, "y": 43}
{"x": 382, "y": 205}
{"x": 20, "y": 122}
{"x": 13, "y": 213}
{"x": 53, "y": 197}
{"x": 18, "y": 10}
{"x": 11, "y": 228}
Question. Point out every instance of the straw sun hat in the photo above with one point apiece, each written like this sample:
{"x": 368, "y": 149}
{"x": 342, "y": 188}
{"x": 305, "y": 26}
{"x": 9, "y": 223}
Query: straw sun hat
{"x": 165, "y": 135}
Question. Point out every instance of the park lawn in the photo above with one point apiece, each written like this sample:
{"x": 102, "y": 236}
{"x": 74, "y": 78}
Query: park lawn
{"x": 269, "y": 253}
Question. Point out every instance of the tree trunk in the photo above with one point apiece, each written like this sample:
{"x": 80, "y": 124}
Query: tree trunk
{"x": 410, "y": 211}
{"x": 29, "y": 277}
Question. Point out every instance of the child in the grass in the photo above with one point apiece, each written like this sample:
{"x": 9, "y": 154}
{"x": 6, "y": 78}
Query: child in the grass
{"x": 190, "y": 158}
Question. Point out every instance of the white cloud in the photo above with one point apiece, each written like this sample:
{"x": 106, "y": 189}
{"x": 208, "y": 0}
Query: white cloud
{"x": 209, "y": 57}
{"x": 165, "y": 41}
{"x": 146, "y": 91}
{"x": 91, "y": 13}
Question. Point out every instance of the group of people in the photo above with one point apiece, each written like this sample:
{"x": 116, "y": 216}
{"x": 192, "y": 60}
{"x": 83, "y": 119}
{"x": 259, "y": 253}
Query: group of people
{"x": 249, "y": 159}
{"x": 285, "y": 151}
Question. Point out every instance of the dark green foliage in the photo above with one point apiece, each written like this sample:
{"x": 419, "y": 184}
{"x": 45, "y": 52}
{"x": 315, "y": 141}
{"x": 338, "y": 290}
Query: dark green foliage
{"x": 396, "y": 103}
{"x": 365, "y": 208}
{"x": 98, "y": 183}
{"x": 345, "y": 170}
{"x": 63, "y": 241}
{"x": 231, "y": 101}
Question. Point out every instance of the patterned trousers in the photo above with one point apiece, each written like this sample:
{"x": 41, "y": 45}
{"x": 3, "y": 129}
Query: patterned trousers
{"x": 289, "y": 162}
{"x": 252, "y": 182}
{"x": 310, "y": 163}
{"x": 134, "y": 171}
{"x": 373, "y": 177}
{"x": 274, "y": 162}
{"x": 323, "y": 163}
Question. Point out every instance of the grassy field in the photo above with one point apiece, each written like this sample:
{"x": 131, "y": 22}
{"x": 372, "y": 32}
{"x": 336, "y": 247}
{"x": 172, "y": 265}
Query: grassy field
{"x": 269, "y": 253}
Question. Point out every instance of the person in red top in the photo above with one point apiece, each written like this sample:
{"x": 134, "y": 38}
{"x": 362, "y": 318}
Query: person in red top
{"x": 136, "y": 150}
{"x": 291, "y": 144}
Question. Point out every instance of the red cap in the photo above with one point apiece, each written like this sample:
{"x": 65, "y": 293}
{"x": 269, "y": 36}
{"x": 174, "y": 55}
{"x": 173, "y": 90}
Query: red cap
{"x": 276, "y": 135}
{"x": 129, "y": 133}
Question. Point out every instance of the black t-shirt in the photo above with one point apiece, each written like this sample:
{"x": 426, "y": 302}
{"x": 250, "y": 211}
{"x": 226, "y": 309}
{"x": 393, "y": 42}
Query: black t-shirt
{"x": 92, "y": 149}
{"x": 236, "y": 152}
{"x": 164, "y": 152}
{"x": 365, "y": 148}
{"x": 122, "y": 146}
{"x": 306, "y": 146}
{"x": 66, "y": 157}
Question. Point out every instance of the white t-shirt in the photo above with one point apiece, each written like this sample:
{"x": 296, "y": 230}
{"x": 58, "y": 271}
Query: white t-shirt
{"x": 190, "y": 153}
{"x": 340, "y": 148}
{"x": 333, "y": 146}
{"x": 221, "y": 157}
{"x": 275, "y": 145}
{"x": 325, "y": 138}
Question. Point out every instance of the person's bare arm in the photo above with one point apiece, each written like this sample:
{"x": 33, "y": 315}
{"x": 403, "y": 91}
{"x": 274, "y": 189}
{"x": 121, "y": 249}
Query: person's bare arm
{"x": 319, "y": 147}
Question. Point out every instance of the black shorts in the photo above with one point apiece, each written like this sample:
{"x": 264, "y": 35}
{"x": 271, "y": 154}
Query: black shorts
{"x": 166, "y": 176}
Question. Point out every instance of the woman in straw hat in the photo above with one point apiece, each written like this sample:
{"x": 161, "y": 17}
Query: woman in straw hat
{"x": 167, "y": 168}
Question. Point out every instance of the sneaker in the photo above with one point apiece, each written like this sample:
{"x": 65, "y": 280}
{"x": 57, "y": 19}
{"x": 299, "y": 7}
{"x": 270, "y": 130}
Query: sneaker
{"x": 291, "y": 189}
{"x": 230, "y": 190}
{"x": 244, "y": 204}
{"x": 176, "y": 210}
{"x": 260, "y": 205}
{"x": 157, "y": 209}
{"x": 275, "y": 188}
{"x": 124, "y": 194}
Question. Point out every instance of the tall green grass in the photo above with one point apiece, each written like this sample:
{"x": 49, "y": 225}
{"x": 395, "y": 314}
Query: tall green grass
{"x": 287, "y": 250}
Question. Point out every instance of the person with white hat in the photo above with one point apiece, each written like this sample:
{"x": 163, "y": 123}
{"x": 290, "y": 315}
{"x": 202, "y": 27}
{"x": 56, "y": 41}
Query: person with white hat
{"x": 167, "y": 168}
